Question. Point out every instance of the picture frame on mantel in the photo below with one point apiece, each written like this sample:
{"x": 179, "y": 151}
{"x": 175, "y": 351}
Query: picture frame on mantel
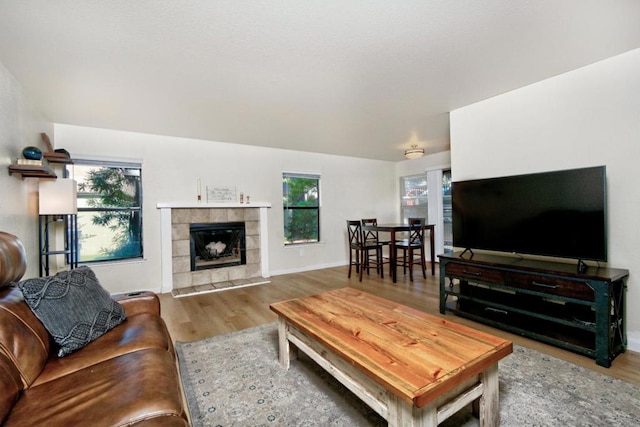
{"x": 221, "y": 194}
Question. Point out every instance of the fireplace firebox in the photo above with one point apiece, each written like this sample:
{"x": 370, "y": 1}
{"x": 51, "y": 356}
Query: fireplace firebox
{"x": 216, "y": 245}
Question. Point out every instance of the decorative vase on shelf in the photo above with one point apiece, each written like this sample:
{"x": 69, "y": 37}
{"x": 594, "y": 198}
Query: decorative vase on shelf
{"x": 32, "y": 153}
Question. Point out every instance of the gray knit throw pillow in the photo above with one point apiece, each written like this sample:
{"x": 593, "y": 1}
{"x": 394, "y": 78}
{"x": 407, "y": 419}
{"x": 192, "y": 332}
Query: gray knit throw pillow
{"x": 73, "y": 306}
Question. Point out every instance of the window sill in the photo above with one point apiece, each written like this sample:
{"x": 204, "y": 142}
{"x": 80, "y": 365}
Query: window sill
{"x": 99, "y": 264}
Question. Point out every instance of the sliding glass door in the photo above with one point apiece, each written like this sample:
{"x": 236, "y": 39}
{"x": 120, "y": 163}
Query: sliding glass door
{"x": 428, "y": 195}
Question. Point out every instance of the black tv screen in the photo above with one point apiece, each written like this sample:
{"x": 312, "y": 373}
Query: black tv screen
{"x": 558, "y": 214}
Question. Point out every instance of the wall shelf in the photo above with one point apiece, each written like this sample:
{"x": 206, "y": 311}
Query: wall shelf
{"x": 32, "y": 171}
{"x": 43, "y": 170}
{"x": 53, "y": 157}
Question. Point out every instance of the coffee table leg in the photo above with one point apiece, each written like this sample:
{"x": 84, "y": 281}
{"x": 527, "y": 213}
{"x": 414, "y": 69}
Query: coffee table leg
{"x": 402, "y": 414}
{"x": 489, "y": 401}
{"x": 283, "y": 343}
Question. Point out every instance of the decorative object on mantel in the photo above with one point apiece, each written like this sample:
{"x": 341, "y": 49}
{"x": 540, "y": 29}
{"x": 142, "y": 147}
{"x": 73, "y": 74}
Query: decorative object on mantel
{"x": 221, "y": 194}
{"x": 414, "y": 152}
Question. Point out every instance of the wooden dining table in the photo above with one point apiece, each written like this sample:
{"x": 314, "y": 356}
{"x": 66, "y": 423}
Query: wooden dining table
{"x": 392, "y": 229}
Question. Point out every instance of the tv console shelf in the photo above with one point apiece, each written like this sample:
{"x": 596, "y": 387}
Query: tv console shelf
{"x": 543, "y": 300}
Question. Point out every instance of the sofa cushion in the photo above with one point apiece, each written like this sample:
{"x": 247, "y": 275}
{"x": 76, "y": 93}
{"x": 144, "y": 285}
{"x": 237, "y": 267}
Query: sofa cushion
{"x": 139, "y": 332}
{"x": 118, "y": 392}
{"x": 73, "y": 307}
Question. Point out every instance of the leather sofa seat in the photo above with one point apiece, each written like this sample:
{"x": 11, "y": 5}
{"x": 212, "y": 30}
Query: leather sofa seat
{"x": 137, "y": 333}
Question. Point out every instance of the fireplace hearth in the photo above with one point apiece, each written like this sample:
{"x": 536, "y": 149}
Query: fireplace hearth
{"x": 216, "y": 245}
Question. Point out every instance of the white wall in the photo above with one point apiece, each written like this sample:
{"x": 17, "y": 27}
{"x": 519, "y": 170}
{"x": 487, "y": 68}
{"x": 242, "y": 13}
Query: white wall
{"x": 351, "y": 188}
{"x": 587, "y": 117}
{"x": 20, "y": 126}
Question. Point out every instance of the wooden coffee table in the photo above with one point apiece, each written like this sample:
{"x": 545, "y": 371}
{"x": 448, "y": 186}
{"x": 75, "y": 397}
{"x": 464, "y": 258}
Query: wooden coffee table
{"x": 412, "y": 368}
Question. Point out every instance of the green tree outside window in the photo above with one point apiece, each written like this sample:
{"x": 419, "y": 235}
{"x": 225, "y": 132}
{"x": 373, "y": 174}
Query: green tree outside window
{"x": 301, "y": 203}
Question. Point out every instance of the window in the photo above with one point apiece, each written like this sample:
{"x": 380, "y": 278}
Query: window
{"x": 301, "y": 204}
{"x": 109, "y": 210}
{"x": 414, "y": 197}
{"x": 447, "y": 211}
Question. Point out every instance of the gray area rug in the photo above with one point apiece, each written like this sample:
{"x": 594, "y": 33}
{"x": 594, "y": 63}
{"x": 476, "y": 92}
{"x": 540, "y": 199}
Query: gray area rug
{"x": 236, "y": 380}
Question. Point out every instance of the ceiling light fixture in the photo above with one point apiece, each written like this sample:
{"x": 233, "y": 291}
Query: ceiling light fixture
{"x": 414, "y": 152}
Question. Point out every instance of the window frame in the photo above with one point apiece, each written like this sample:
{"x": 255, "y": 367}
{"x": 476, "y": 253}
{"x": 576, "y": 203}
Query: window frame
{"x": 70, "y": 170}
{"x": 285, "y": 207}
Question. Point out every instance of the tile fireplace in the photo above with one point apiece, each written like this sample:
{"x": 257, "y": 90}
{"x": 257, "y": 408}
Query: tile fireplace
{"x": 213, "y": 246}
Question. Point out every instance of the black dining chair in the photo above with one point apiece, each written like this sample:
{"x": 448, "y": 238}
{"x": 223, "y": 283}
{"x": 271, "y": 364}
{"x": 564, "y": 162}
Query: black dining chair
{"x": 371, "y": 236}
{"x": 360, "y": 250}
{"x": 412, "y": 248}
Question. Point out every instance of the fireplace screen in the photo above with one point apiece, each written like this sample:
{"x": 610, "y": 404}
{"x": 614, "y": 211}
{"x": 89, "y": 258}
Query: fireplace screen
{"x": 217, "y": 245}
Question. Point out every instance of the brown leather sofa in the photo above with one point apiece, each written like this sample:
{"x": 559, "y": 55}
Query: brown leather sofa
{"x": 128, "y": 376}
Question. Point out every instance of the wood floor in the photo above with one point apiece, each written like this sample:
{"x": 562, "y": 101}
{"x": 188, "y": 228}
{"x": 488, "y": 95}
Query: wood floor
{"x": 197, "y": 317}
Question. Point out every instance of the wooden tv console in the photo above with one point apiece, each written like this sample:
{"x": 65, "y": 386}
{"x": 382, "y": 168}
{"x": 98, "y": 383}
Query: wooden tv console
{"x": 547, "y": 301}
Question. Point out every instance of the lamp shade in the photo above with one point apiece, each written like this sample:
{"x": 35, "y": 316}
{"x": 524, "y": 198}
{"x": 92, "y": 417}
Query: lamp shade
{"x": 57, "y": 197}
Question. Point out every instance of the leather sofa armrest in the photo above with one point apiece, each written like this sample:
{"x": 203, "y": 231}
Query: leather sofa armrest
{"x": 139, "y": 302}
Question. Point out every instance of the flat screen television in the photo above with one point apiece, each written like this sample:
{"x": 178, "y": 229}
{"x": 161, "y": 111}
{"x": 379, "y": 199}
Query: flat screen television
{"x": 558, "y": 214}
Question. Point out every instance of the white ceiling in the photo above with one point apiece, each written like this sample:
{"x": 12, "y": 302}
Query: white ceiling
{"x": 355, "y": 78}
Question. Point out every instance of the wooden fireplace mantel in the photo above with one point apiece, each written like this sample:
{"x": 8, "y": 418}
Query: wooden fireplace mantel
{"x": 221, "y": 205}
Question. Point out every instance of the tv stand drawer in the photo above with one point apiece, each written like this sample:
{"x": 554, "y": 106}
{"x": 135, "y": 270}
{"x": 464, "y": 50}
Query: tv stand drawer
{"x": 475, "y": 273}
{"x": 550, "y": 285}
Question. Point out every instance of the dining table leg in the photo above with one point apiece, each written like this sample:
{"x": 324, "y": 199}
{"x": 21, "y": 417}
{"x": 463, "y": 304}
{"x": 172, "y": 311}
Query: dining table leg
{"x": 392, "y": 255}
{"x": 433, "y": 250}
